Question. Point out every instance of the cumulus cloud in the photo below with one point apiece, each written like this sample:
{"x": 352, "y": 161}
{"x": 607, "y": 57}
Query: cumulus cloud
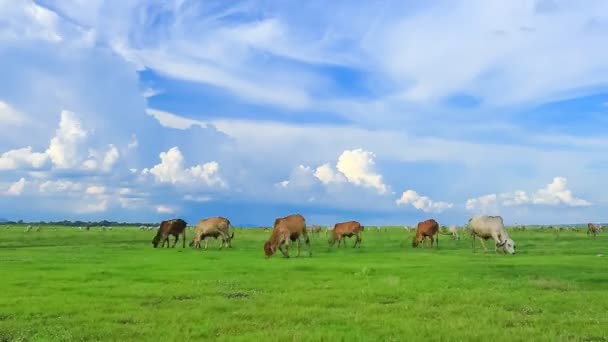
{"x": 486, "y": 204}
{"x": 327, "y": 174}
{"x": 171, "y": 170}
{"x": 358, "y": 168}
{"x": 66, "y": 150}
{"x": 16, "y": 188}
{"x": 555, "y": 193}
{"x": 423, "y": 203}
{"x": 23, "y": 158}
{"x": 65, "y": 147}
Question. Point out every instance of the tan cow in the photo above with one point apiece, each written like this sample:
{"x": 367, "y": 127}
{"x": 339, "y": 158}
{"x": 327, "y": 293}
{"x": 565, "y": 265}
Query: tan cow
{"x": 286, "y": 230}
{"x": 315, "y": 229}
{"x": 212, "y": 227}
{"x": 175, "y": 227}
{"x": 593, "y": 229}
{"x": 426, "y": 229}
{"x": 344, "y": 230}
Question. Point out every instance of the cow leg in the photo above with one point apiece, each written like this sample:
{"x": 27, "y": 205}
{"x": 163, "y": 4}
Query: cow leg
{"x": 284, "y": 248}
{"x": 473, "y": 238}
{"x": 298, "y": 246}
{"x": 206, "y": 242}
{"x": 357, "y": 240}
{"x": 175, "y": 241}
{"x": 483, "y": 244}
{"x": 184, "y": 239}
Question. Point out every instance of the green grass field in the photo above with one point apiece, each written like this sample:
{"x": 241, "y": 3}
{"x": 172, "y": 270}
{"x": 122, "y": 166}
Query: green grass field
{"x": 65, "y": 284}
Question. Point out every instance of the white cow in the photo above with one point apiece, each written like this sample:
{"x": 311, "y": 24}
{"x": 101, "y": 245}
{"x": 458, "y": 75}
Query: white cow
{"x": 485, "y": 227}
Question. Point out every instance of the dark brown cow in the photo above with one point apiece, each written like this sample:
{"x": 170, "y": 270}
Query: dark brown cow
{"x": 287, "y": 229}
{"x": 171, "y": 227}
{"x": 428, "y": 228}
{"x": 344, "y": 230}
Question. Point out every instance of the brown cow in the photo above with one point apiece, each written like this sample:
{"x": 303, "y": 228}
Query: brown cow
{"x": 346, "y": 229}
{"x": 428, "y": 228}
{"x": 171, "y": 227}
{"x": 287, "y": 229}
{"x": 212, "y": 227}
{"x": 593, "y": 229}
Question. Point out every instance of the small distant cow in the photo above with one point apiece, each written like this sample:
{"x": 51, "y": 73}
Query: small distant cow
{"x": 486, "y": 227}
{"x": 286, "y": 230}
{"x": 174, "y": 227}
{"x": 426, "y": 229}
{"x": 452, "y": 231}
{"x": 346, "y": 229}
{"x": 212, "y": 227}
{"x": 593, "y": 229}
{"x": 315, "y": 229}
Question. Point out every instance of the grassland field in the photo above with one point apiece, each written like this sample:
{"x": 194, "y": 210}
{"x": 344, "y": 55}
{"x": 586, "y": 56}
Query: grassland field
{"x": 69, "y": 285}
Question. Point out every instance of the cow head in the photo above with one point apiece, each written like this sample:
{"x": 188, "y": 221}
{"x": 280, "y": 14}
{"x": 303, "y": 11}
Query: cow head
{"x": 416, "y": 241}
{"x": 268, "y": 249}
{"x": 156, "y": 240}
{"x": 507, "y": 246}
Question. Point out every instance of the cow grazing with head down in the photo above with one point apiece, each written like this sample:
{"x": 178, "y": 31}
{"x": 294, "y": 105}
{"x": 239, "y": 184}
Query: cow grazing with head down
{"x": 212, "y": 227}
{"x": 174, "y": 227}
{"x": 486, "y": 227}
{"x": 593, "y": 229}
{"x": 346, "y": 229}
{"x": 286, "y": 230}
{"x": 452, "y": 231}
{"x": 426, "y": 229}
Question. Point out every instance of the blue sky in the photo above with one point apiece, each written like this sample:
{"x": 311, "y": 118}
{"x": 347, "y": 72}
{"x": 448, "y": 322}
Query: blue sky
{"x": 388, "y": 112}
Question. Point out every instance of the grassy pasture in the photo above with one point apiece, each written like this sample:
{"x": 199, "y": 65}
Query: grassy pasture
{"x": 65, "y": 284}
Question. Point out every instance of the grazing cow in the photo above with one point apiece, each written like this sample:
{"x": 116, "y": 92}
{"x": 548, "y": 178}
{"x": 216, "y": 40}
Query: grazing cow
{"x": 593, "y": 229}
{"x": 426, "y": 229}
{"x": 28, "y": 228}
{"x": 486, "y": 227}
{"x": 212, "y": 227}
{"x": 344, "y": 230}
{"x": 287, "y": 229}
{"x": 452, "y": 231}
{"x": 172, "y": 227}
{"x": 315, "y": 229}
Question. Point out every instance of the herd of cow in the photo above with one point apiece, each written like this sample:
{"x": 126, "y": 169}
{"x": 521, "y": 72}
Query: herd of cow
{"x": 293, "y": 228}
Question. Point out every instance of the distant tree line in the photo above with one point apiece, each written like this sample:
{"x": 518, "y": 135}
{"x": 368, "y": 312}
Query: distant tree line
{"x": 80, "y": 223}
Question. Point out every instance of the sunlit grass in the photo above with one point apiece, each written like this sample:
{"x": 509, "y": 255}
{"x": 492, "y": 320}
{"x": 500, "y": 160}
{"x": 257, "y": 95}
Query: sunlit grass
{"x": 67, "y": 284}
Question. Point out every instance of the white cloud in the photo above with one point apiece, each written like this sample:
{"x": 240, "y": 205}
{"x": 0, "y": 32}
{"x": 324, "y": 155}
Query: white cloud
{"x": 65, "y": 148}
{"x": 22, "y": 158}
{"x": 486, "y": 204}
{"x": 96, "y": 190}
{"x": 97, "y": 207}
{"x": 16, "y": 188}
{"x": 193, "y": 198}
{"x": 10, "y": 116}
{"x": 171, "y": 170}
{"x": 423, "y": 203}
{"x": 110, "y": 158}
{"x": 60, "y": 186}
{"x": 327, "y": 174}
{"x": 358, "y": 168}
{"x": 173, "y": 121}
{"x": 555, "y": 193}
{"x": 163, "y": 209}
